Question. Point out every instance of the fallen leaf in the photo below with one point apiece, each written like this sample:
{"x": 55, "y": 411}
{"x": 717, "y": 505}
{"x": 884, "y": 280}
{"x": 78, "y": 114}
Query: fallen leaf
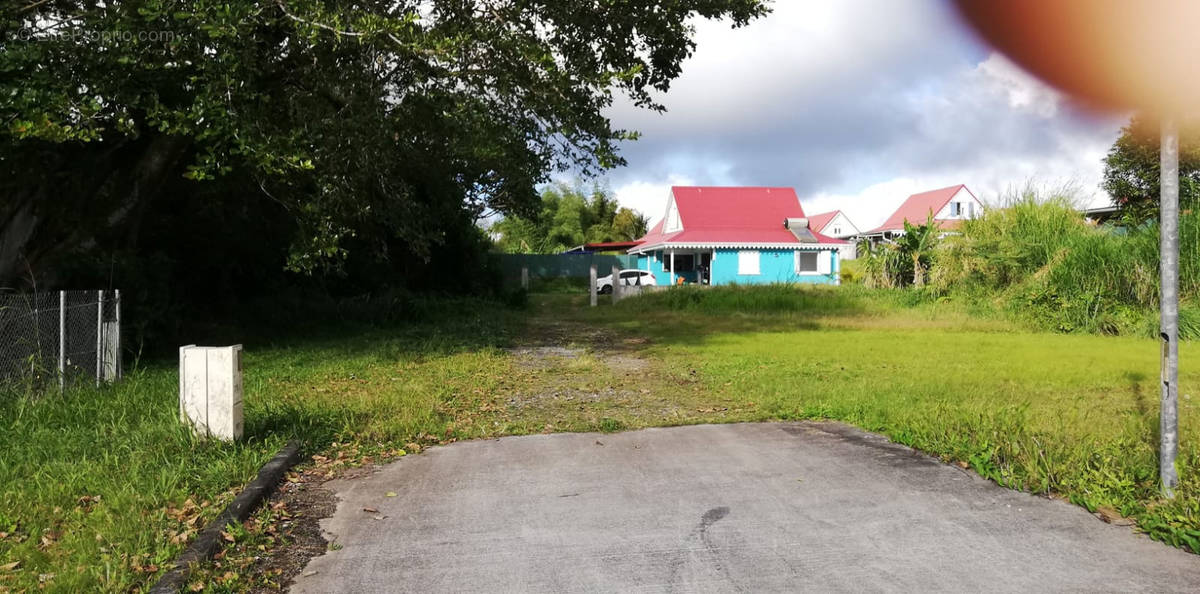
{"x": 1112, "y": 516}
{"x": 227, "y": 536}
{"x": 370, "y": 510}
{"x": 391, "y": 493}
{"x": 9, "y": 566}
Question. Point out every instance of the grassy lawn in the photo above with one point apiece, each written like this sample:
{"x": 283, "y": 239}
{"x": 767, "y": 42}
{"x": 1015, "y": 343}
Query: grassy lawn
{"x": 103, "y": 487}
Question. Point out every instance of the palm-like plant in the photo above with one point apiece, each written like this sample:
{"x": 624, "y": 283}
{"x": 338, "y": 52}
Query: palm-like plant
{"x": 917, "y": 243}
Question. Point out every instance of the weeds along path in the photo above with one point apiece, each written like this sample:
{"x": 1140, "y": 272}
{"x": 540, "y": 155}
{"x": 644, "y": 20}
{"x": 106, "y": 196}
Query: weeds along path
{"x": 577, "y": 375}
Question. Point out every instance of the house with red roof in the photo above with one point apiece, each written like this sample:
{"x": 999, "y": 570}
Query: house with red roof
{"x": 837, "y": 225}
{"x": 950, "y": 207}
{"x": 745, "y": 235}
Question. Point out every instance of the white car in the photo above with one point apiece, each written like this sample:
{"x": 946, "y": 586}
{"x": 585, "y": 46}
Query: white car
{"x": 631, "y": 276}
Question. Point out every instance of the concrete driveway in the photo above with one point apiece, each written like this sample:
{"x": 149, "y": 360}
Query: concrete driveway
{"x": 772, "y": 507}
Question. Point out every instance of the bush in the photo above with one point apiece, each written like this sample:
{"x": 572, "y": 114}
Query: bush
{"x": 1037, "y": 256}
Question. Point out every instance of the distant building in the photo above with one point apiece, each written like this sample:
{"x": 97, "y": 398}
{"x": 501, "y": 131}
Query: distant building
{"x": 950, "y": 207}
{"x": 836, "y": 224}
{"x": 1098, "y": 215}
{"x": 720, "y": 235}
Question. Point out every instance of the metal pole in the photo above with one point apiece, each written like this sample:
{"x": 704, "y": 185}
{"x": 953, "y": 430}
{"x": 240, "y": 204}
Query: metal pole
{"x": 117, "y": 332}
{"x": 99, "y": 333}
{"x": 62, "y": 338}
{"x": 1169, "y": 305}
{"x": 592, "y": 288}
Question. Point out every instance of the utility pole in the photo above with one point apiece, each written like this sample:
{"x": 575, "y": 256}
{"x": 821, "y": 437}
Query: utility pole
{"x": 1168, "y": 421}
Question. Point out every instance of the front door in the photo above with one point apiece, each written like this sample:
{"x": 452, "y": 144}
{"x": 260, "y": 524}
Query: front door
{"x": 704, "y": 269}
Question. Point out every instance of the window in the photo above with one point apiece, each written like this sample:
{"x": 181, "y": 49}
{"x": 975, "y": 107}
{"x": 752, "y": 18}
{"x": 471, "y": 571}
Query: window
{"x": 748, "y": 262}
{"x": 683, "y": 262}
{"x": 956, "y": 209}
{"x": 837, "y": 231}
{"x": 629, "y": 273}
{"x": 806, "y": 262}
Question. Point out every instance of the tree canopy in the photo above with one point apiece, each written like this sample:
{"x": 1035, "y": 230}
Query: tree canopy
{"x": 570, "y": 216}
{"x": 367, "y": 124}
{"x": 1131, "y": 168}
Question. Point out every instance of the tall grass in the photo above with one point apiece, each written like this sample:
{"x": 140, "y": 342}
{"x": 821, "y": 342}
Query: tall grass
{"x": 1036, "y": 256}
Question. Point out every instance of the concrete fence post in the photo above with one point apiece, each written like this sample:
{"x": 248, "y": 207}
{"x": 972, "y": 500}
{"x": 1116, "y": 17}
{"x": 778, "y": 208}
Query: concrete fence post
{"x": 616, "y": 283}
{"x": 525, "y": 277}
{"x": 592, "y": 284}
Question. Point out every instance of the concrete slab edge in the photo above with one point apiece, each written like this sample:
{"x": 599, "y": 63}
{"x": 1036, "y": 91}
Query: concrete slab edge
{"x": 209, "y": 541}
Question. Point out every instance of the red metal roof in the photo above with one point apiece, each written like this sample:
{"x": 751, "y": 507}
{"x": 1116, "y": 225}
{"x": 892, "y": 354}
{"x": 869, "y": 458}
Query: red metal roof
{"x": 733, "y": 215}
{"x": 917, "y": 207}
{"x": 817, "y": 222}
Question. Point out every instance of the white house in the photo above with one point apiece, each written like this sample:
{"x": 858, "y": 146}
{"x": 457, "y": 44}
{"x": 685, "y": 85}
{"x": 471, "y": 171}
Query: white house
{"x": 836, "y": 224}
{"x": 950, "y": 207}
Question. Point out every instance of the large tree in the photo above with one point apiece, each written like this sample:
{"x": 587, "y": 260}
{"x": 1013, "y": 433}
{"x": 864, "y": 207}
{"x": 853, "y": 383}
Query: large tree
{"x": 570, "y": 215}
{"x": 365, "y": 123}
{"x": 1131, "y": 168}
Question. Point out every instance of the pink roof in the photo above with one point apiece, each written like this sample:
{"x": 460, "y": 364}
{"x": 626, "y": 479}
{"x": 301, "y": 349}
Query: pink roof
{"x": 733, "y": 215}
{"x": 817, "y": 222}
{"x": 917, "y": 207}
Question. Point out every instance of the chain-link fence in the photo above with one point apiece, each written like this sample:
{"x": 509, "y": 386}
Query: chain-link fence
{"x": 68, "y": 336}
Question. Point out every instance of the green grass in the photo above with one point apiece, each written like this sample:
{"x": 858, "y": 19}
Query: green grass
{"x": 1074, "y": 415}
{"x": 124, "y": 444}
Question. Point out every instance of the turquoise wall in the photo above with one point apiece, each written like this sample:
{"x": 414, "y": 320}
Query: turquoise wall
{"x": 774, "y": 266}
{"x": 654, "y": 263}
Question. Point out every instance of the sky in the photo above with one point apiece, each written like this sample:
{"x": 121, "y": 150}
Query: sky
{"x": 857, "y": 104}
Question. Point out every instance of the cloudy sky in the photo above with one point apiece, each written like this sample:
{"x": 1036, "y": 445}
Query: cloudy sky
{"x": 857, "y": 104}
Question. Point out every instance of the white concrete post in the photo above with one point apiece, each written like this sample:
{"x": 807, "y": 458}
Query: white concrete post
{"x": 210, "y": 390}
{"x": 525, "y": 277}
{"x": 592, "y": 285}
{"x": 672, "y": 257}
{"x": 616, "y": 292}
{"x": 1168, "y": 420}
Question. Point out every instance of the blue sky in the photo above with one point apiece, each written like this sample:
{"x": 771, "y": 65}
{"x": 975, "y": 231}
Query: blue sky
{"x": 857, "y": 104}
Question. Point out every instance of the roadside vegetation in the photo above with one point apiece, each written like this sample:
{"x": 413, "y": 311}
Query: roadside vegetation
{"x": 1035, "y": 259}
{"x": 1069, "y": 415}
{"x": 103, "y": 487}
{"x": 1074, "y": 416}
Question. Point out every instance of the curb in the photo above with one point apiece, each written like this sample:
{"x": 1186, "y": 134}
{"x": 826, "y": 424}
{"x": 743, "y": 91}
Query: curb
{"x": 209, "y": 541}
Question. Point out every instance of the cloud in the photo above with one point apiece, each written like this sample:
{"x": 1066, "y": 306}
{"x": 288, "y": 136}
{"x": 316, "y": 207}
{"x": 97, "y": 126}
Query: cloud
{"x": 856, "y": 104}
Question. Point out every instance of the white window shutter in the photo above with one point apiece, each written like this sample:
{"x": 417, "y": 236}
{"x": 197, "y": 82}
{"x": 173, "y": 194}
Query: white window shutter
{"x": 824, "y": 261}
{"x": 748, "y": 262}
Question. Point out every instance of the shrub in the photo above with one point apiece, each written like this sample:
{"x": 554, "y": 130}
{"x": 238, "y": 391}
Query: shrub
{"x": 1038, "y": 256}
